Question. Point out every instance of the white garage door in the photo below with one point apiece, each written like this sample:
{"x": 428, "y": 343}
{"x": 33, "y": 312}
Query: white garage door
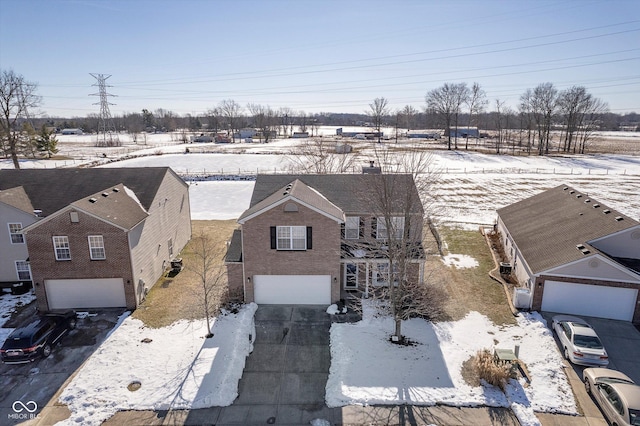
{"x": 590, "y": 300}
{"x": 292, "y": 289}
{"x": 85, "y": 293}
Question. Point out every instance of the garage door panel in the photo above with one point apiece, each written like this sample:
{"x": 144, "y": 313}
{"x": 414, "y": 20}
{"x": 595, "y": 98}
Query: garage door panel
{"x": 292, "y": 289}
{"x": 590, "y": 300}
{"x": 85, "y": 293}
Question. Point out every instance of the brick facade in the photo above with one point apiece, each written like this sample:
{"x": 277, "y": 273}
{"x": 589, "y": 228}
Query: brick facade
{"x": 260, "y": 259}
{"x": 44, "y": 265}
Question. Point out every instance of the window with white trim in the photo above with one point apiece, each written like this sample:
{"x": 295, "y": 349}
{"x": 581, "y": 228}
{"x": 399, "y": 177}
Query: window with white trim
{"x": 15, "y": 232}
{"x": 291, "y": 237}
{"x": 170, "y": 247}
{"x": 23, "y": 270}
{"x": 96, "y": 247}
{"x": 397, "y": 227}
{"x": 352, "y": 228}
{"x": 61, "y": 247}
{"x": 382, "y": 274}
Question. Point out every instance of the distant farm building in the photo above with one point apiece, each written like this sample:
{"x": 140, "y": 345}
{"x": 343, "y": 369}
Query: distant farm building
{"x": 463, "y": 132}
{"x": 72, "y": 131}
{"x": 358, "y": 135}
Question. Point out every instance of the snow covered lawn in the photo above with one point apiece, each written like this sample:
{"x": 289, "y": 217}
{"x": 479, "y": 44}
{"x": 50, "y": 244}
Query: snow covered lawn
{"x": 175, "y": 366}
{"x": 367, "y": 369}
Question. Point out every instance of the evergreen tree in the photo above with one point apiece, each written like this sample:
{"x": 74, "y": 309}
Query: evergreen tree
{"x": 47, "y": 142}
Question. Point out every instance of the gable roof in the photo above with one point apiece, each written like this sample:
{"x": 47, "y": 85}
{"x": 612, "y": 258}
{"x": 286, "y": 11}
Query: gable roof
{"x": 298, "y": 191}
{"x": 53, "y": 189}
{"x": 549, "y": 227}
{"x": 352, "y": 193}
{"x": 116, "y": 205}
{"x": 17, "y": 197}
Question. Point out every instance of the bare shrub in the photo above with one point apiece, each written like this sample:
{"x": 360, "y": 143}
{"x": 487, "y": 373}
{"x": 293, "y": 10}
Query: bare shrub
{"x": 490, "y": 371}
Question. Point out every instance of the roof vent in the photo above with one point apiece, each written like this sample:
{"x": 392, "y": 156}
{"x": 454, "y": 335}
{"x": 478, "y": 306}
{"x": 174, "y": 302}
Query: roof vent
{"x": 580, "y": 246}
{"x": 37, "y": 212}
{"x": 115, "y": 190}
{"x": 105, "y": 194}
{"x": 565, "y": 188}
{"x": 587, "y": 201}
{"x": 285, "y": 193}
{"x": 619, "y": 218}
{"x": 92, "y": 200}
{"x": 579, "y": 196}
{"x": 595, "y": 206}
{"x": 607, "y": 211}
{"x": 572, "y": 192}
{"x": 585, "y": 251}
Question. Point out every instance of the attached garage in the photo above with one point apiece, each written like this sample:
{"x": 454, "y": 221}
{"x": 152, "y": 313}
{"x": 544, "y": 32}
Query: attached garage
{"x": 85, "y": 293}
{"x": 292, "y": 289}
{"x": 590, "y": 300}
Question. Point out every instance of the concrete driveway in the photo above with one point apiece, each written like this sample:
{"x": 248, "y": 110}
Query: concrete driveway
{"x": 40, "y": 380}
{"x": 622, "y": 341}
{"x": 284, "y": 383}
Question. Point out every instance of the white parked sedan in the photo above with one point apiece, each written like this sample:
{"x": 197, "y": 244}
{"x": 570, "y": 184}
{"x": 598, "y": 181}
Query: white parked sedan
{"x": 579, "y": 342}
{"x": 615, "y": 393}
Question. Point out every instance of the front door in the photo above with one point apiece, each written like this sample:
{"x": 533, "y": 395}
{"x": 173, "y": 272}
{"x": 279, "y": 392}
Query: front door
{"x": 351, "y": 276}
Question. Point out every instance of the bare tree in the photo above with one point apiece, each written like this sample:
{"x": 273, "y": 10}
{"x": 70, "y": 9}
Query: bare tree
{"x": 286, "y": 120}
{"x": 401, "y": 204}
{"x": 445, "y": 102}
{"x": 232, "y": 111}
{"x": 303, "y": 121}
{"x": 206, "y": 262}
{"x": 319, "y": 156}
{"x": 17, "y": 98}
{"x": 578, "y": 109}
{"x": 378, "y": 110}
{"x": 542, "y": 102}
{"x": 407, "y": 117}
{"x": 264, "y": 118}
{"x": 476, "y": 102}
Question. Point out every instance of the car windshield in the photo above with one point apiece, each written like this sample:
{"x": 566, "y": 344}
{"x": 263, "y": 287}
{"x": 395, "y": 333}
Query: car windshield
{"x": 614, "y": 380}
{"x": 634, "y": 417}
{"x": 589, "y": 342}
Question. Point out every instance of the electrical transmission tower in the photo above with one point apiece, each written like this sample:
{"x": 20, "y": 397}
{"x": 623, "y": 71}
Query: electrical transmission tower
{"x": 107, "y": 135}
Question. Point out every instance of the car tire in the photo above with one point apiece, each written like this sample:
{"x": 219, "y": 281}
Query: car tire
{"x": 566, "y": 354}
{"x": 587, "y": 386}
{"x": 46, "y": 350}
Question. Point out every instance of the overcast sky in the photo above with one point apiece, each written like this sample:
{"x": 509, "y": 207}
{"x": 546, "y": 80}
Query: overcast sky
{"x": 316, "y": 56}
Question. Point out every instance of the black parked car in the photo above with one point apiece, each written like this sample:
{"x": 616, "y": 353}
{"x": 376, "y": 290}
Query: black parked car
{"x": 36, "y": 338}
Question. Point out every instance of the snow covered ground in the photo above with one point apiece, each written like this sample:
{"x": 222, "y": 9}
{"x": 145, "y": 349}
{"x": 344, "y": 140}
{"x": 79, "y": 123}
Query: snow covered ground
{"x": 429, "y": 372}
{"x": 178, "y": 368}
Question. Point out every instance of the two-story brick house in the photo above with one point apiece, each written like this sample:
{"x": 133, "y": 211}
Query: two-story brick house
{"x": 307, "y": 238}
{"x": 100, "y": 238}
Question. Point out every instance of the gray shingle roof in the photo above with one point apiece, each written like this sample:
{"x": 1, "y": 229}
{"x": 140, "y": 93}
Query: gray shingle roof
{"x": 302, "y": 192}
{"x": 548, "y": 226}
{"x": 114, "y": 205}
{"x": 17, "y": 198}
{"x": 352, "y": 193}
{"x": 52, "y": 189}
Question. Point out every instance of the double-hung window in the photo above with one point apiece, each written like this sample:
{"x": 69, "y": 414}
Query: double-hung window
{"x": 23, "y": 269}
{"x": 352, "y": 228}
{"x": 291, "y": 237}
{"x": 15, "y": 231}
{"x": 61, "y": 247}
{"x": 96, "y": 247}
{"x": 397, "y": 228}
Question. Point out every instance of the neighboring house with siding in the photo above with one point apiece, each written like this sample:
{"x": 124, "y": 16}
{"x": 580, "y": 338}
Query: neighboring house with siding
{"x": 574, "y": 254}
{"x": 17, "y": 213}
{"x": 306, "y": 239}
{"x": 103, "y": 236}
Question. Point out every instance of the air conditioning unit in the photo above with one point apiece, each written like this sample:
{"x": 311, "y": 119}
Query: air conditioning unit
{"x": 505, "y": 268}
